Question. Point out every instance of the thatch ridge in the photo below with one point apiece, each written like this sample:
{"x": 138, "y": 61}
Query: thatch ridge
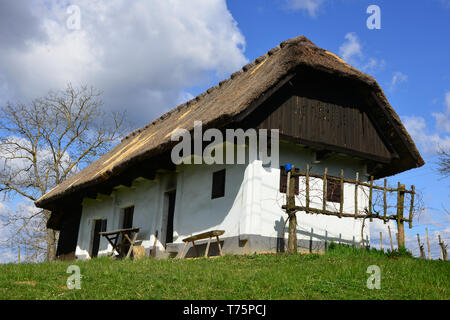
{"x": 219, "y": 104}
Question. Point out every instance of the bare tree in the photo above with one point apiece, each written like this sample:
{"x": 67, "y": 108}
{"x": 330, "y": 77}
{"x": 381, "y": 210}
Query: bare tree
{"x": 41, "y": 145}
{"x": 444, "y": 163}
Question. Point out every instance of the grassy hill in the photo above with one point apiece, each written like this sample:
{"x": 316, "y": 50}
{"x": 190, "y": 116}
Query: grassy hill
{"x": 338, "y": 274}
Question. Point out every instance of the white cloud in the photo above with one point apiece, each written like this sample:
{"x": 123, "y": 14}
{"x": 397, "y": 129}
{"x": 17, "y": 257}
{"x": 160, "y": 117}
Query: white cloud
{"x": 397, "y": 78}
{"x": 142, "y": 54}
{"x": 430, "y": 143}
{"x": 310, "y": 6}
{"x": 427, "y": 143}
{"x": 351, "y": 50}
{"x": 373, "y": 65}
{"x": 443, "y": 118}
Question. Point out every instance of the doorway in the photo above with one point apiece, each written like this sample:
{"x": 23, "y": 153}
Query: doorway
{"x": 127, "y": 223}
{"x": 170, "y": 200}
{"x": 99, "y": 226}
{"x": 128, "y": 217}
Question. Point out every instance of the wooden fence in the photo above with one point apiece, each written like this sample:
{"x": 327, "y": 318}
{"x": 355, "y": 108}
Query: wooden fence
{"x": 369, "y": 212}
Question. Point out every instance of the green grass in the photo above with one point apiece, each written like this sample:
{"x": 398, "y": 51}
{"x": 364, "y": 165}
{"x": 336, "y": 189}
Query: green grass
{"x": 338, "y": 274}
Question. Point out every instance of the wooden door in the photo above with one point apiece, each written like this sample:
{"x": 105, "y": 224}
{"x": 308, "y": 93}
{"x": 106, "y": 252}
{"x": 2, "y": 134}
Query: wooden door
{"x": 170, "y": 212}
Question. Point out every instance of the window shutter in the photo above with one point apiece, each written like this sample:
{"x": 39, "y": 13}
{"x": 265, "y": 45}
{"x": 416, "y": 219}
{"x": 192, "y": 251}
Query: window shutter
{"x": 283, "y": 181}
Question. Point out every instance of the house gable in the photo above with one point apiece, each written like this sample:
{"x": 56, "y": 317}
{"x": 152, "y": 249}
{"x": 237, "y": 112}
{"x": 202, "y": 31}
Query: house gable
{"x": 326, "y": 115}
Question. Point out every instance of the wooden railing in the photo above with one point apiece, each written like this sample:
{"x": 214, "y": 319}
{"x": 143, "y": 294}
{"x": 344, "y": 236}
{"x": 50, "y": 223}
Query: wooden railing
{"x": 369, "y": 211}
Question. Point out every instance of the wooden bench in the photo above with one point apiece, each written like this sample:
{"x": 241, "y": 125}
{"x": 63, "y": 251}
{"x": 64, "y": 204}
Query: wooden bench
{"x": 205, "y": 235}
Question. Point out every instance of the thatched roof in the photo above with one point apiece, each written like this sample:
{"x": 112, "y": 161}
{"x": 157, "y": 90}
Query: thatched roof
{"x": 221, "y": 104}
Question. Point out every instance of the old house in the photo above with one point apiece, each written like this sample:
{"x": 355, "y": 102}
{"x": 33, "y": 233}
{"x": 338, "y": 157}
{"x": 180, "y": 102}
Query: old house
{"x": 328, "y": 114}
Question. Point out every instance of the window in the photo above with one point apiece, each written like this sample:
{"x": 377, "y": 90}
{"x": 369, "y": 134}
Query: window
{"x": 333, "y": 190}
{"x": 218, "y": 184}
{"x": 283, "y": 180}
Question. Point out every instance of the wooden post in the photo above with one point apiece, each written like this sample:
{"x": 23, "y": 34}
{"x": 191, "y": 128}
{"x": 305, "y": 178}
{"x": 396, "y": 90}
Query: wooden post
{"x": 400, "y": 224}
{"x": 326, "y": 240}
{"x": 324, "y": 200}
{"x": 390, "y": 238}
{"x": 356, "y": 194}
{"x": 396, "y": 237}
{"x": 307, "y": 187}
{"x": 428, "y": 245}
{"x": 370, "y": 197}
{"x": 292, "y": 238}
{"x": 381, "y": 241}
{"x": 411, "y": 208}
{"x": 443, "y": 248}
{"x": 18, "y": 254}
{"x": 341, "y": 203}
{"x": 422, "y": 252}
{"x": 385, "y": 200}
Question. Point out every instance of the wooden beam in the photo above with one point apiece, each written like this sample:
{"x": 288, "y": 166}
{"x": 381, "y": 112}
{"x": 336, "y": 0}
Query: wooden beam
{"x": 324, "y": 191}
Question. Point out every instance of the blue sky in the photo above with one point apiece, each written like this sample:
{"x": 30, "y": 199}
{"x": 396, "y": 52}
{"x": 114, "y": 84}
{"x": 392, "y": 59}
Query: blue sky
{"x": 148, "y": 56}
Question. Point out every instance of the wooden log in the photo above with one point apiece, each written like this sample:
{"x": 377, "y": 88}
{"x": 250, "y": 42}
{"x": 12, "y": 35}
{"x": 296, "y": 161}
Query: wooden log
{"x": 400, "y": 207}
{"x": 411, "y": 207}
{"x": 443, "y": 248}
{"x": 390, "y": 238}
{"x": 422, "y": 252}
{"x": 292, "y": 238}
{"x": 381, "y": 241}
{"x": 341, "y": 202}
{"x": 307, "y": 186}
{"x": 370, "y": 197}
{"x": 428, "y": 244}
{"x": 324, "y": 193}
{"x": 363, "y": 184}
{"x": 138, "y": 252}
{"x": 385, "y": 200}
{"x": 336, "y": 214}
{"x": 396, "y": 237}
{"x": 356, "y": 194}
